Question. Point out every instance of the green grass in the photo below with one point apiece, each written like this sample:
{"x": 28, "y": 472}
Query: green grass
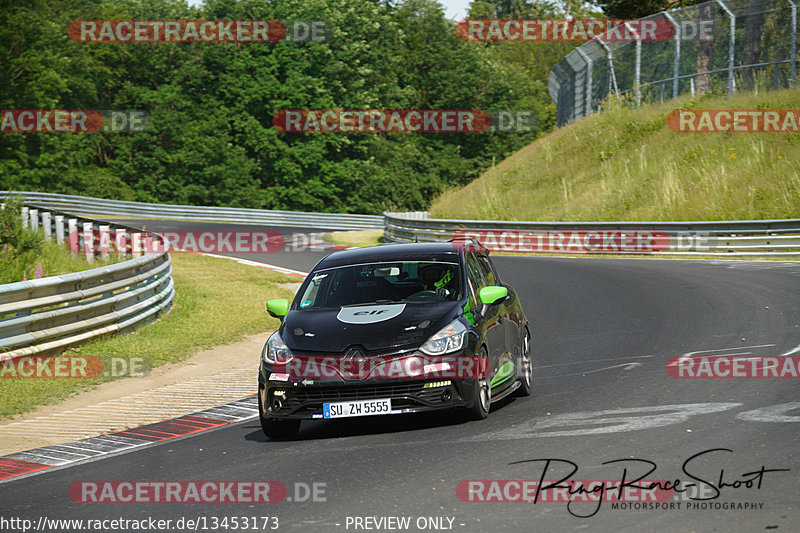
{"x": 55, "y": 259}
{"x": 369, "y": 237}
{"x": 625, "y": 164}
{"x": 217, "y": 302}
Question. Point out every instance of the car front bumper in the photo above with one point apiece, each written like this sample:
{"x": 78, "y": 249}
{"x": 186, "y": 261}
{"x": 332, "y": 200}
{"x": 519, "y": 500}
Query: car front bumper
{"x": 301, "y": 399}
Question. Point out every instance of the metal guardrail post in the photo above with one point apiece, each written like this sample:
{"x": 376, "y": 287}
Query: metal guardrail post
{"x": 676, "y": 65}
{"x": 73, "y": 236}
{"x": 136, "y": 244}
{"x": 34, "y": 216}
{"x": 88, "y": 241}
{"x": 59, "y": 229}
{"x": 121, "y": 242}
{"x": 105, "y": 242}
{"x": 46, "y": 225}
{"x": 731, "y": 47}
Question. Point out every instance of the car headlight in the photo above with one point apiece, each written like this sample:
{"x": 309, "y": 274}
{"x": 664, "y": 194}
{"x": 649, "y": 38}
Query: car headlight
{"x": 450, "y": 338}
{"x": 276, "y": 351}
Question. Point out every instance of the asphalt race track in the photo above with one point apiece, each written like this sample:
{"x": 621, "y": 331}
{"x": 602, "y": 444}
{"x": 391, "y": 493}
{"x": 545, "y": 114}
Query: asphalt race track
{"x": 603, "y": 332}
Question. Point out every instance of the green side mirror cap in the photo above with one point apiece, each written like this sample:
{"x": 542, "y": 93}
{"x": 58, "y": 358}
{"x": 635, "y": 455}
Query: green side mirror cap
{"x": 491, "y": 295}
{"x": 278, "y": 307}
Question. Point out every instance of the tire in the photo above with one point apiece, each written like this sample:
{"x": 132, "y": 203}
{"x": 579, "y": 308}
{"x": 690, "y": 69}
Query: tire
{"x": 481, "y": 396}
{"x": 526, "y": 365}
{"x": 277, "y": 429}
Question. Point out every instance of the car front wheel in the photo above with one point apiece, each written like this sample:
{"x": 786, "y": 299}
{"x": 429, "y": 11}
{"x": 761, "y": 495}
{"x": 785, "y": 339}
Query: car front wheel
{"x": 481, "y": 396}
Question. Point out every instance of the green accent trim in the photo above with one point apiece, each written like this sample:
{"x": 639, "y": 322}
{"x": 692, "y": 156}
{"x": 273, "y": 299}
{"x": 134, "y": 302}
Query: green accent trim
{"x": 504, "y": 374}
{"x": 278, "y": 307}
{"x": 489, "y": 295}
{"x": 468, "y": 314}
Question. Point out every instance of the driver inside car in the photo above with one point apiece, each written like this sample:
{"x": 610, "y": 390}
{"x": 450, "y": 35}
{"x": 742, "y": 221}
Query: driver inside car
{"x": 436, "y": 278}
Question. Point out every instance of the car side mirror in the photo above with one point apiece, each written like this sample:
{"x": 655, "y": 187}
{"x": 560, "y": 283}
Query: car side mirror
{"x": 278, "y": 307}
{"x": 488, "y": 296}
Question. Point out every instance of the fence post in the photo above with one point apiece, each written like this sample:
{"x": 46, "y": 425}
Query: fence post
{"x": 136, "y": 244}
{"x": 105, "y": 242}
{"x": 60, "y": 229}
{"x": 121, "y": 242}
{"x": 88, "y": 241}
{"x": 731, "y": 47}
{"x": 48, "y": 229}
{"x": 637, "y": 67}
{"x": 676, "y": 65}
{"x": 793, "y": 47}
{"x": 74, "y": 238}
{"x": 25, "y": 217}
{"x": 588, "y": 60}
{"x": 34, "y": 216}
{"x": 612, "y": 77}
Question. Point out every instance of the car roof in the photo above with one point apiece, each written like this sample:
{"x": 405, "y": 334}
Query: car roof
{"x": 423, "y": 251}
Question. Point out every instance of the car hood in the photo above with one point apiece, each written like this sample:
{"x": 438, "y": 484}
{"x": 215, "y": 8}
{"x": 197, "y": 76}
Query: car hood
{"x": 374, "y": 327}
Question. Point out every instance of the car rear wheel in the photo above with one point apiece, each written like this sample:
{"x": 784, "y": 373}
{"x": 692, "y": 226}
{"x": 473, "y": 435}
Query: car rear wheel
{"x": 277, "y": 429}
{"x": 481, "y": 396}
{"x": 526, "y": 367}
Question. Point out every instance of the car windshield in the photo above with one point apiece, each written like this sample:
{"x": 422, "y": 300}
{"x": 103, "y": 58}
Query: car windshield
{"x": 406, "y": 281}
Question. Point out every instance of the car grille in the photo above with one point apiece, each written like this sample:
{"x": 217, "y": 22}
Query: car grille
{"x": 403, "y": 394}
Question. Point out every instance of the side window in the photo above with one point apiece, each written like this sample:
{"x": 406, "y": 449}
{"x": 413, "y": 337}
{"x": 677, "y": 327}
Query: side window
{"x": 488, "y": 272}
{"x": 475, "y": 273}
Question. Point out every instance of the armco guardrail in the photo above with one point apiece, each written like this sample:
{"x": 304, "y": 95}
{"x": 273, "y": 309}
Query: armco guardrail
{"x": 50, "y": 314}
{"x": 738, "y": 238}
{"x": 96, "y": 207}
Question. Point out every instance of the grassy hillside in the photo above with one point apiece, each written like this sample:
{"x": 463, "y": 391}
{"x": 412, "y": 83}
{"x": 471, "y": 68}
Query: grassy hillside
{"x": 626, "y": 164}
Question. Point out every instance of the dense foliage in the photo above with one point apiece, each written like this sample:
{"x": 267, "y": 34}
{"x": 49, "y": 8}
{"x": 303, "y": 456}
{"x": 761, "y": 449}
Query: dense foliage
{"x": 212, "y": 141}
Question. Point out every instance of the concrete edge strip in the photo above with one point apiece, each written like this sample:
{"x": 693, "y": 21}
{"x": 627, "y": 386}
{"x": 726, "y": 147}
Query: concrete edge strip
{"x": 38, "y": 460}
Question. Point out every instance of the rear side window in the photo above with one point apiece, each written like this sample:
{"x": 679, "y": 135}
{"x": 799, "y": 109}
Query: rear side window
{"x": 475, "y": 273}
{"x": 488, "y": 271}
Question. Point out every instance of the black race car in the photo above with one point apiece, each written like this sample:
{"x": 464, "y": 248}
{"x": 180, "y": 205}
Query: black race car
{"x": 389, "y": 329}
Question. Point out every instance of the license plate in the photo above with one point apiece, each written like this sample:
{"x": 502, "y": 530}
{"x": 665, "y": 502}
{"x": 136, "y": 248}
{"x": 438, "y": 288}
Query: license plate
{"x": 357, "y": 408}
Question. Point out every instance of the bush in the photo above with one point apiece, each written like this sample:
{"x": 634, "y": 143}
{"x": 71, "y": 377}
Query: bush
{"x": 19, "y": 248}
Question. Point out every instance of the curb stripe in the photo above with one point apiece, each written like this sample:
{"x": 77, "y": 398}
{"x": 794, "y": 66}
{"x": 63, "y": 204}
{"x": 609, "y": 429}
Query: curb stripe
{"x": 10, "y": 468}
{"x": 170, "y": 429}
{"x": 38, "y": 460}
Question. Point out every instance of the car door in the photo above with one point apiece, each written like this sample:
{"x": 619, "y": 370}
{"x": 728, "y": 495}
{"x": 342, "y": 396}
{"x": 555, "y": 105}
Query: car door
{"x": 492, "y": 324}
{"x": 509, "y": 322}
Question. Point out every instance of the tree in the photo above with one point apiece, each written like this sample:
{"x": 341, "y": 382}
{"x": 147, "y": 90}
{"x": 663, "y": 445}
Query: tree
{"x": 705, "y": 48}
{"x": 753, "y": 26}
{"x": 632, "y": 9}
